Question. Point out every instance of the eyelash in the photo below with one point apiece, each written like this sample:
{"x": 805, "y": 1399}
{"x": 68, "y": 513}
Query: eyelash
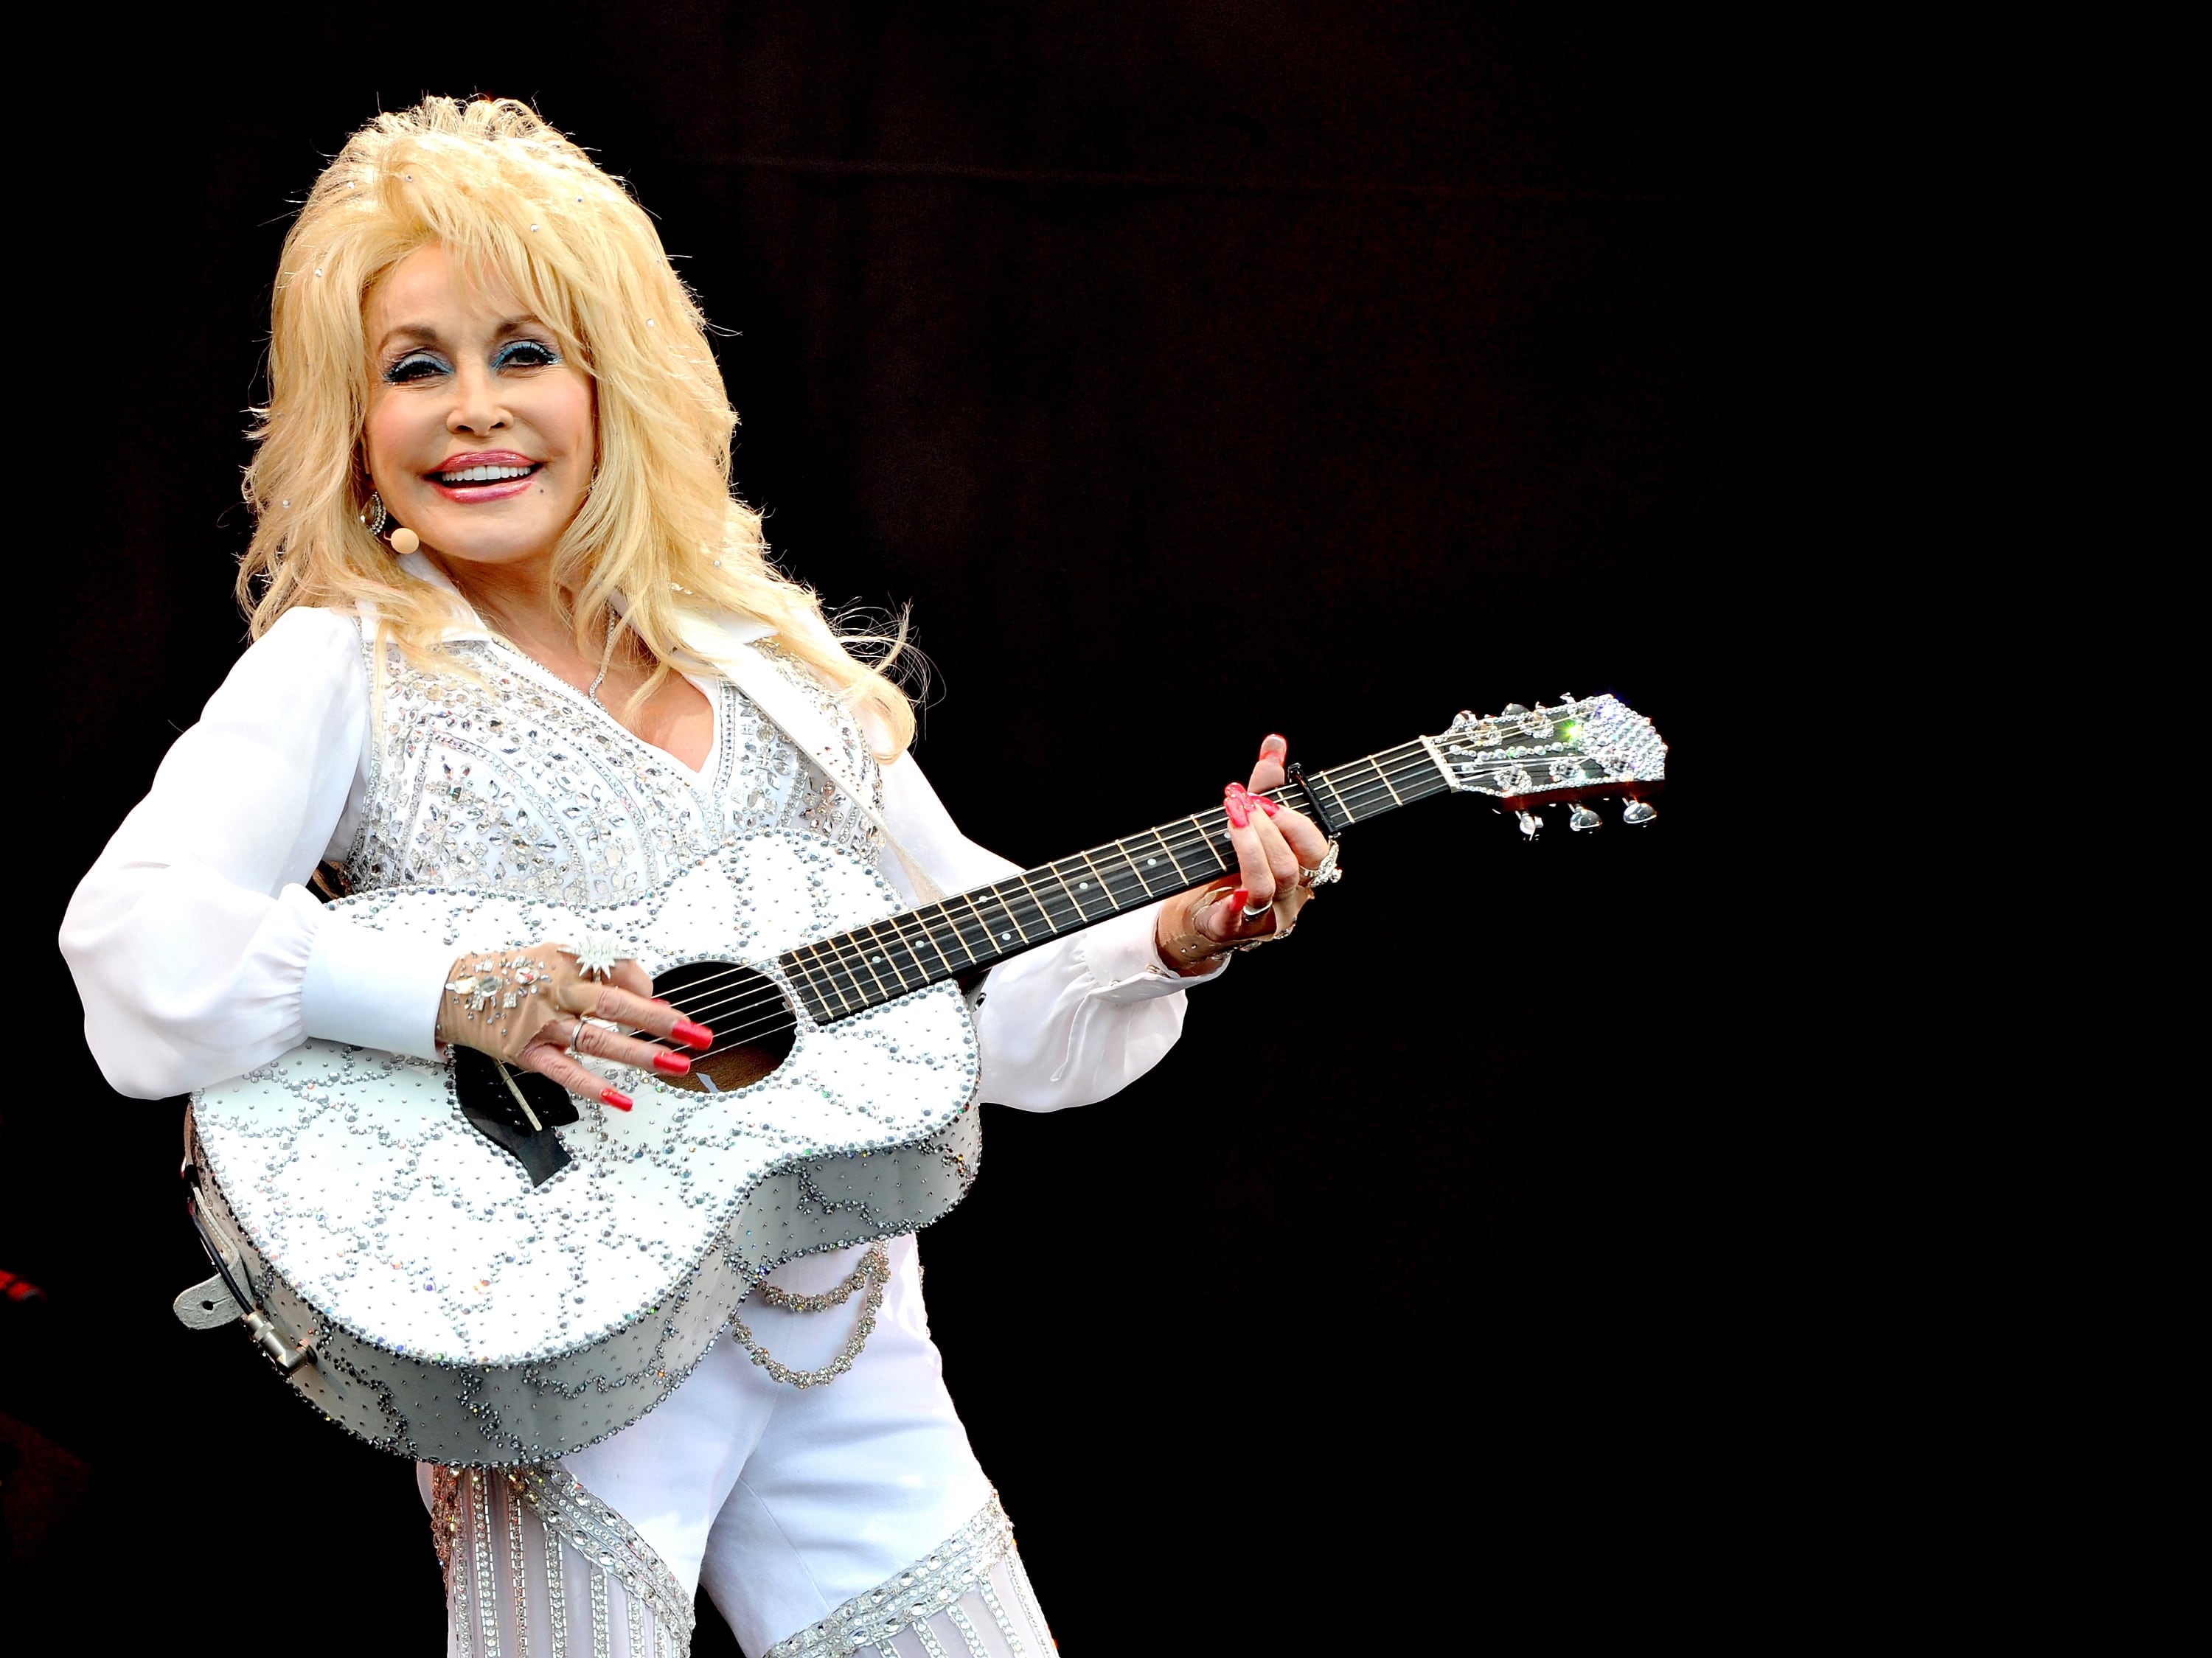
{"x": 420, "y": 365}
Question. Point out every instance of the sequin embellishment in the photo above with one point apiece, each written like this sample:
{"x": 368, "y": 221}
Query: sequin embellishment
{"x": 516, "y": 783}
{"x": 937, "y": 1586}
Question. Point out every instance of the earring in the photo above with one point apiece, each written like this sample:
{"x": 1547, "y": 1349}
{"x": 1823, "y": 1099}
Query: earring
{"x": 373, "y": 516}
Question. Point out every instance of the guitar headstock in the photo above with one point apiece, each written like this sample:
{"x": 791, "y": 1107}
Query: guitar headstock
{"x": 1576, "y": 752}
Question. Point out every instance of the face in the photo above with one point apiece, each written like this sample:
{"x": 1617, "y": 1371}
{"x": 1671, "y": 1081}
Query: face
{"x": 479, "y": 433}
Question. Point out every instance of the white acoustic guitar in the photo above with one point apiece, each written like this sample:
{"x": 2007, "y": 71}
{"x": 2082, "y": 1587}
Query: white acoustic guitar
{"x": 457, "y": 1263}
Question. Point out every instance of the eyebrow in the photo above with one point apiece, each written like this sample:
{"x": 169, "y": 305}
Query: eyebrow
{"x": 425, "y": 333}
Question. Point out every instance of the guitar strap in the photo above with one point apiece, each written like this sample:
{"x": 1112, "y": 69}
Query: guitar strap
{"x": 787, "y": 708}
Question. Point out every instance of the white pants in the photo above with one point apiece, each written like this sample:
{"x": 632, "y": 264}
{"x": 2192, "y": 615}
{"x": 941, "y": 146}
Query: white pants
{"x": 846, "y": 1518}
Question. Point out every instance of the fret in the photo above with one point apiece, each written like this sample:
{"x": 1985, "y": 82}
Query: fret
{"x": 1023, "y": 931}
{"x": 1344, "y": 813}
{"x": 830, "y": 978}
{"x": 1019, "y": 890}
{"x": 921, "y": 919}
{"x": 1062, "y": 878}
{"x": 1105, "y": 891}
{"x": 930, "y": 961}
{"x": 1213, "y": 848}
{"x": 847, "y": 982}
{"x": 960, "y": 927}
{"x": 795, "y": 965}
{"x": 1051, "y": 926}
{"x": 1143, "y": 885}
{"x": 1109, "y": 873}
{"x": 862, "y": 952}
{"x": 877, "y": 963}
{"x": 1385, "y": 777}
{"x": 1003, "y": 938}
{"x": 1168, "y": 851}
{"x": 887, "y": 955}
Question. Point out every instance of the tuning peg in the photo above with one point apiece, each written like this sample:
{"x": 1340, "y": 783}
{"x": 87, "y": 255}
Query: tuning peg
{"x": 1583, "y": 817}
{"x": 1566, "y": 696}
{"x": 1638, "y": 812}
{"x": 1530, "y": 823}
{"x": 1512, "y": 707}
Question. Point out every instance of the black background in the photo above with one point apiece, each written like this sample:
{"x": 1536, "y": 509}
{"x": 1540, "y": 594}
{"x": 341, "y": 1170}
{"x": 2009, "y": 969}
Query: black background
{"x": 1194, "y": 372}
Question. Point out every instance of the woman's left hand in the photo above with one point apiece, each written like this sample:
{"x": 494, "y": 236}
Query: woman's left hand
{"x": 1275, "y": 844}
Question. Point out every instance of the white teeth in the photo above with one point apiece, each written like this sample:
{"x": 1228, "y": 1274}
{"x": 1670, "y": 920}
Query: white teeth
{"x": 484, "y": 474}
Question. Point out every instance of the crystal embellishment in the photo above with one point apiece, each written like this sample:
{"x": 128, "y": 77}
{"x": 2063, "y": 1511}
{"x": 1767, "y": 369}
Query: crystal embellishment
{"x": 597, "y": 956}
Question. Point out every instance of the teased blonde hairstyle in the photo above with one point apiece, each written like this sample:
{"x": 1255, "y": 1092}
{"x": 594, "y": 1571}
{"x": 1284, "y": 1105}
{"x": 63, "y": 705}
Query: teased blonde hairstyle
{"x": 507, "y": 194}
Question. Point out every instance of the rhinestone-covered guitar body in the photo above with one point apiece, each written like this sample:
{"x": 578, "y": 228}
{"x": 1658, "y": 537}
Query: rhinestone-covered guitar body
{"x": 454, "y": 1310}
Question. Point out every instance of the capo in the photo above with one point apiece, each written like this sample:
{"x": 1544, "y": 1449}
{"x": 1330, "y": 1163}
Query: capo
{"x": 1320, "y": 815}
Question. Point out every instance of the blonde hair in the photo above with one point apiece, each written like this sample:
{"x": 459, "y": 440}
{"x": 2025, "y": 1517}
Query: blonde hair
{"x": 507, "y": 194}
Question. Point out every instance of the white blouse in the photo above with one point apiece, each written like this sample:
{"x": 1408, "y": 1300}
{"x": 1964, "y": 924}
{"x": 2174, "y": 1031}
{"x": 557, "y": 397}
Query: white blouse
{"x": 200, "y": 951}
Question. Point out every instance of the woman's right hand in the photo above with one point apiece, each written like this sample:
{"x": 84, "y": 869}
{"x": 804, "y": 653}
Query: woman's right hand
{"x": 536, "y": 1008}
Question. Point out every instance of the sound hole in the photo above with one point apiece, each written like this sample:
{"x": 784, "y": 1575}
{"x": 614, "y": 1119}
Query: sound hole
{"x": 753, "y": 1024}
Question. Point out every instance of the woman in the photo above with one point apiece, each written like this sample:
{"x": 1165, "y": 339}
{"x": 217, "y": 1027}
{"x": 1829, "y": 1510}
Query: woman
{"x": 492, "y": 494}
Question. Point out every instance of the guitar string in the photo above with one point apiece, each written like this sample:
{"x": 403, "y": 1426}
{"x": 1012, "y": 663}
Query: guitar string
{"x": 905, "y": 930}
{"x": 847, "y": 954}
{"x": 910, "y": 927}
{"x": 770, "y": 1001}
{"x": 850, "y": 955}
{"x": 842, "y": 952}
{"x": 911, "y": 930}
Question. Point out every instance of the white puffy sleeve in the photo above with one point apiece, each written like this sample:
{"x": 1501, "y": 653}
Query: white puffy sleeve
{"x": 1066, "y": 1024}
{"x": 196, "y": 945}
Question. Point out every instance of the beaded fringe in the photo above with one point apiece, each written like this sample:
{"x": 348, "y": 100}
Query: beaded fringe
{"x": 535, "y": 1566}
{"x": 967, "y": 1598}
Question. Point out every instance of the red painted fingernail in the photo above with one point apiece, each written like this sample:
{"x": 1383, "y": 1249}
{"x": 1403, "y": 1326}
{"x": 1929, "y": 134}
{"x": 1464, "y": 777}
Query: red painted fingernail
{"x": 1276, "y": 741}
{"x": 617, "y": 1098}
{"x": 1244, "y": 898}
{"x": 694, "y": 1036}
{"x": 1264, "y": 803}
{"x": 672, "y": 1065}
{"x": 1240, "y": 815}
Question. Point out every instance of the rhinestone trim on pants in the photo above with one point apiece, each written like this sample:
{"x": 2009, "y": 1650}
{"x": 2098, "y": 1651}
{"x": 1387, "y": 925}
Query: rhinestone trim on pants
{"x": 952, "y": 1603}
{"x": 503, "y": 1586}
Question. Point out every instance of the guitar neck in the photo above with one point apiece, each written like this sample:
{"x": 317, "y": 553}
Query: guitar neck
{"x": 854, "y": 971}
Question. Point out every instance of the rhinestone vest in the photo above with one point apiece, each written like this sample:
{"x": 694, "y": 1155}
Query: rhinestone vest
{"x": 517, "y": 782}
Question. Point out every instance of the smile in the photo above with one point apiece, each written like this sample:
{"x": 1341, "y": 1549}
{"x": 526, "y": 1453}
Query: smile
{"x": 484, "y": 474}
{"x": 496, "y": 477}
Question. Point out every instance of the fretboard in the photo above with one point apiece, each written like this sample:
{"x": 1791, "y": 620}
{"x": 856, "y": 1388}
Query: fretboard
{"x": 854, "y": 971}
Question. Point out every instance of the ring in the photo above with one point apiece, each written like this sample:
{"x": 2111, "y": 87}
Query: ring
{"x": 1254, "y": 912}
{"x": 576, "y": 1035}
{"x": 1323, "y": 872}
{"x": 596, "y": 956}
